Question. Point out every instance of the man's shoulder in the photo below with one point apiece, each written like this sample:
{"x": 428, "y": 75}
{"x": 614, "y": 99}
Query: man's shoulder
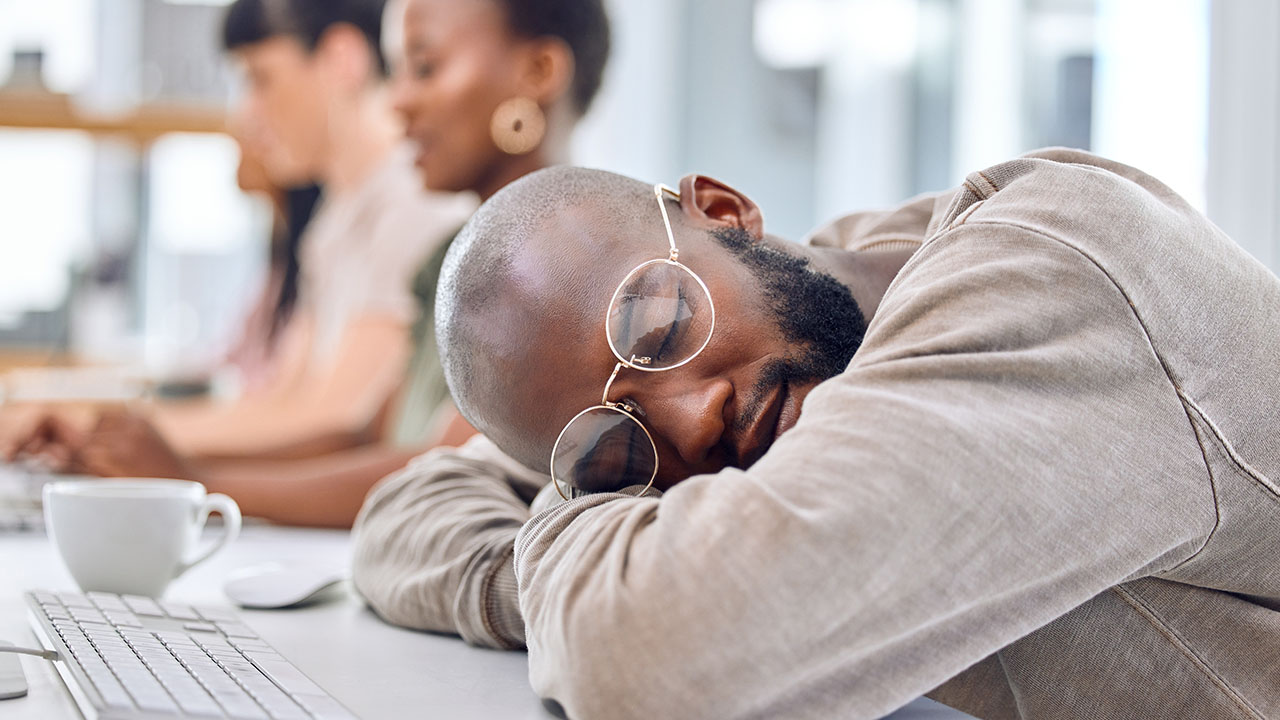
{"x": 1116, "y": 217}
{"x": 1068, "y": 194}
{"x": 1063, "y": 186}
{"x": 903, "y": 227}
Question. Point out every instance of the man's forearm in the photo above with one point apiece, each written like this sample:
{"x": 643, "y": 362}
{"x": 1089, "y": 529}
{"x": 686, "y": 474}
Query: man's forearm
{"x": 433, "y": 545}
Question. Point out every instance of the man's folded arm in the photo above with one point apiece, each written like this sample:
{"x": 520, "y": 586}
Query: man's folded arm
{"x": 433, "y": 543}
{"x": 957, "y": 488}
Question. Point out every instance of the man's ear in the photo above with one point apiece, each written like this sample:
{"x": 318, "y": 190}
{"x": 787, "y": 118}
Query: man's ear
{"x": 709, "y": 202}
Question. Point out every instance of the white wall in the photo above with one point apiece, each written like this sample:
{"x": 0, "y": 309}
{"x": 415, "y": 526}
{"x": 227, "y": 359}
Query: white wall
{"x": 633, "y": 126}
{"x": 1243, "y": 179}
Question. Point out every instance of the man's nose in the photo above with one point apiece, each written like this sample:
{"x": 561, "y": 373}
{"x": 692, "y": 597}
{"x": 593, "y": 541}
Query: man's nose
{"x": 690, "y": 413}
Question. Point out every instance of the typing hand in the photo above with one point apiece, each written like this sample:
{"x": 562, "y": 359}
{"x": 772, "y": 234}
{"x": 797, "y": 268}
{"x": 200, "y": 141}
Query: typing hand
{"x": 50, "y": 442}
{"x": 118, "y": 444}
{"x": 124, "y": 443}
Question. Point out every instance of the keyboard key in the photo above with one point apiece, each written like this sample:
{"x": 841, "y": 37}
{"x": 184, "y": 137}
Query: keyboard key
{"x": 153, "y": 651}
{"x": 110, "y": 643}
{"x": 213, "y": 643}
{"x": 199, "y": 707}
{"x": 216, "y": 614}
{"x": 264, "y": 655}
{"x": 245, "y": 710}
{"x": 114, "y": 655}
{"x": 233, "y": 696}
{"x": 200, "y": 626}
{"x": 107, "y": 601}
{"x": 106, "y": 683}
{"x": 74, "y": 600}
{"x": 212, "y": 676}
{"x": 88, "y": 615}
{"x": 142, "y": 605}
{"x": 237, "y": 630}
{"x": 179, "y": 611}
{"x": 122, "y": 618}
{"x": 156, "y": 703}
{"x": 238, "y": 667}
{"x": 248, "y": 644}
{"x": 117, "y": 700}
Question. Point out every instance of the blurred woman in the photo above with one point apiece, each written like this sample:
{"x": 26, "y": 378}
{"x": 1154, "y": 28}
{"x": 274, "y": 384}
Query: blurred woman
{"x": 489, "y": 91}
{"x": 316, "y": 88}
{"x": 293, "y": 196}
{"x": 316, "y": 93}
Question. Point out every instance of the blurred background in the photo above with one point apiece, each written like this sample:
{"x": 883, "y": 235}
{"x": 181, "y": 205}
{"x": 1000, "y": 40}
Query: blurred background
{"x": 123, "y": 236}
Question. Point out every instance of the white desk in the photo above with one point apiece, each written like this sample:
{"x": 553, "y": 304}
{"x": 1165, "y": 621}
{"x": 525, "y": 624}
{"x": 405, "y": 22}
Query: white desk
{"x": 376, "y": 670}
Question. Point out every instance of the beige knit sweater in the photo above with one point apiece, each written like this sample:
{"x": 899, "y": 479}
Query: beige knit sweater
{"x": 1044, "y": 488}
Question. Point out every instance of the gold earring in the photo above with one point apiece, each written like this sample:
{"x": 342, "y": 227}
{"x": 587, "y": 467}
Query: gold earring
{"x": 517, "y": 126}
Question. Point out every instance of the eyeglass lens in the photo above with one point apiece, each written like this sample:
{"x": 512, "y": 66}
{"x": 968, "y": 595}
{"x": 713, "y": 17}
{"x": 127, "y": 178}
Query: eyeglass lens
{"x": 604, "y": 449}
{"x": 660, "y": 312}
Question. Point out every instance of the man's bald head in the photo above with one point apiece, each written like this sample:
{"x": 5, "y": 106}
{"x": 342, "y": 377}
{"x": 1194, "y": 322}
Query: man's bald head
{"x": 484, "y": 273}
{"x": 524, "y": 292}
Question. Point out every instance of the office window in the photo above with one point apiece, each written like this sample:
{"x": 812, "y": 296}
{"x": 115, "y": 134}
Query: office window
{"x": 45, "y": 189}
{"x": 206, "y": 247}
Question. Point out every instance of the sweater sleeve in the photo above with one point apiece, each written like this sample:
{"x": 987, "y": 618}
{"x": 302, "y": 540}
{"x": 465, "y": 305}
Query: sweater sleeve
{"x": 1004, "y": 447}
{"x": 900, "y": 228}
{"x": 433, "y": 543}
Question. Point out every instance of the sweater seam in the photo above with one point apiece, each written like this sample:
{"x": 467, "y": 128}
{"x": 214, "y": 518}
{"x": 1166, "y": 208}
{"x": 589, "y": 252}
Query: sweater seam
{"x": 1177, "y": 641}
{"x": 872, "y": 242}
{"x": 1235, "y": 457}
{"x": 1190, "y": 406}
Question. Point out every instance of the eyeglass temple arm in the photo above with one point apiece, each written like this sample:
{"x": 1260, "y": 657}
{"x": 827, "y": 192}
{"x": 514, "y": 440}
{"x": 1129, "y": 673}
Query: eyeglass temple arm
{"x": 658, "y": 190}
{"x": 604, "y": 399}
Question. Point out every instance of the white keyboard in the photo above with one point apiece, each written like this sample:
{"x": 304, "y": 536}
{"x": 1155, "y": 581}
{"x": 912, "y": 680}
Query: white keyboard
{"x": 126, "y": 656}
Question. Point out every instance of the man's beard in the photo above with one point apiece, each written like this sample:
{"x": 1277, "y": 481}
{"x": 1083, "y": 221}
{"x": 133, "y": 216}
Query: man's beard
{"x": 814, "y": 310}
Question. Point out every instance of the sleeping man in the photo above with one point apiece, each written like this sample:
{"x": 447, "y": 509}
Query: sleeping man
{"x": 1013, "y": 445}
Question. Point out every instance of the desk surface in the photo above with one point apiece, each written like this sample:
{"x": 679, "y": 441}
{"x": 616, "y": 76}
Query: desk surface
{"x": 377, "y": 670}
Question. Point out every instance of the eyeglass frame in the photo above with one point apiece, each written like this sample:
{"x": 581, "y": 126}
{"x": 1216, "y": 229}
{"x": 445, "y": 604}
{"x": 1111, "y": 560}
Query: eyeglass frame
{"x": 622, "y": 406}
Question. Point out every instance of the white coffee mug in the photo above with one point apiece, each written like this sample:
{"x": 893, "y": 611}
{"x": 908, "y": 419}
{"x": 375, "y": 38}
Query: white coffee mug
{"x": 133, "y": 536}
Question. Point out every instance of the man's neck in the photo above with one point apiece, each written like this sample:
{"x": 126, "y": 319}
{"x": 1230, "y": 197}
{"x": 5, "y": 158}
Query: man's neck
{"x": 867, "y": 273}
{"x": 360, "y": 138}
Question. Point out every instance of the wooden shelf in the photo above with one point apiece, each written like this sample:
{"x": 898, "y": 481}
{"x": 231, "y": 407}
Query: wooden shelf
{"x": 44, "y": 110}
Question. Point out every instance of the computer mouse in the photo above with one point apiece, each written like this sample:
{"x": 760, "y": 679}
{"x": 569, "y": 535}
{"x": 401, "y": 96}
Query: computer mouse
{"x": 276, "y": 585}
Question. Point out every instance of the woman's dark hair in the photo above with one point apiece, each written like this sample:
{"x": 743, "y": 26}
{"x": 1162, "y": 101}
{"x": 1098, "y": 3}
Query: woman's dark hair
{"x": 296, "y": 207}
{"x": 252, "y": 21}
{"x": 582, "y": 24}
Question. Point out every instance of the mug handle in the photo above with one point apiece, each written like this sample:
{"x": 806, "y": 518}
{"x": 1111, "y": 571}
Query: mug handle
{"x": 230, "y": 512}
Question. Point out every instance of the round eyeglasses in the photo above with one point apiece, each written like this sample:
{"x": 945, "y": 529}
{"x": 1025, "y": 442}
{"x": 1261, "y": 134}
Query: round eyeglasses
{"x": 660, "y": 317}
